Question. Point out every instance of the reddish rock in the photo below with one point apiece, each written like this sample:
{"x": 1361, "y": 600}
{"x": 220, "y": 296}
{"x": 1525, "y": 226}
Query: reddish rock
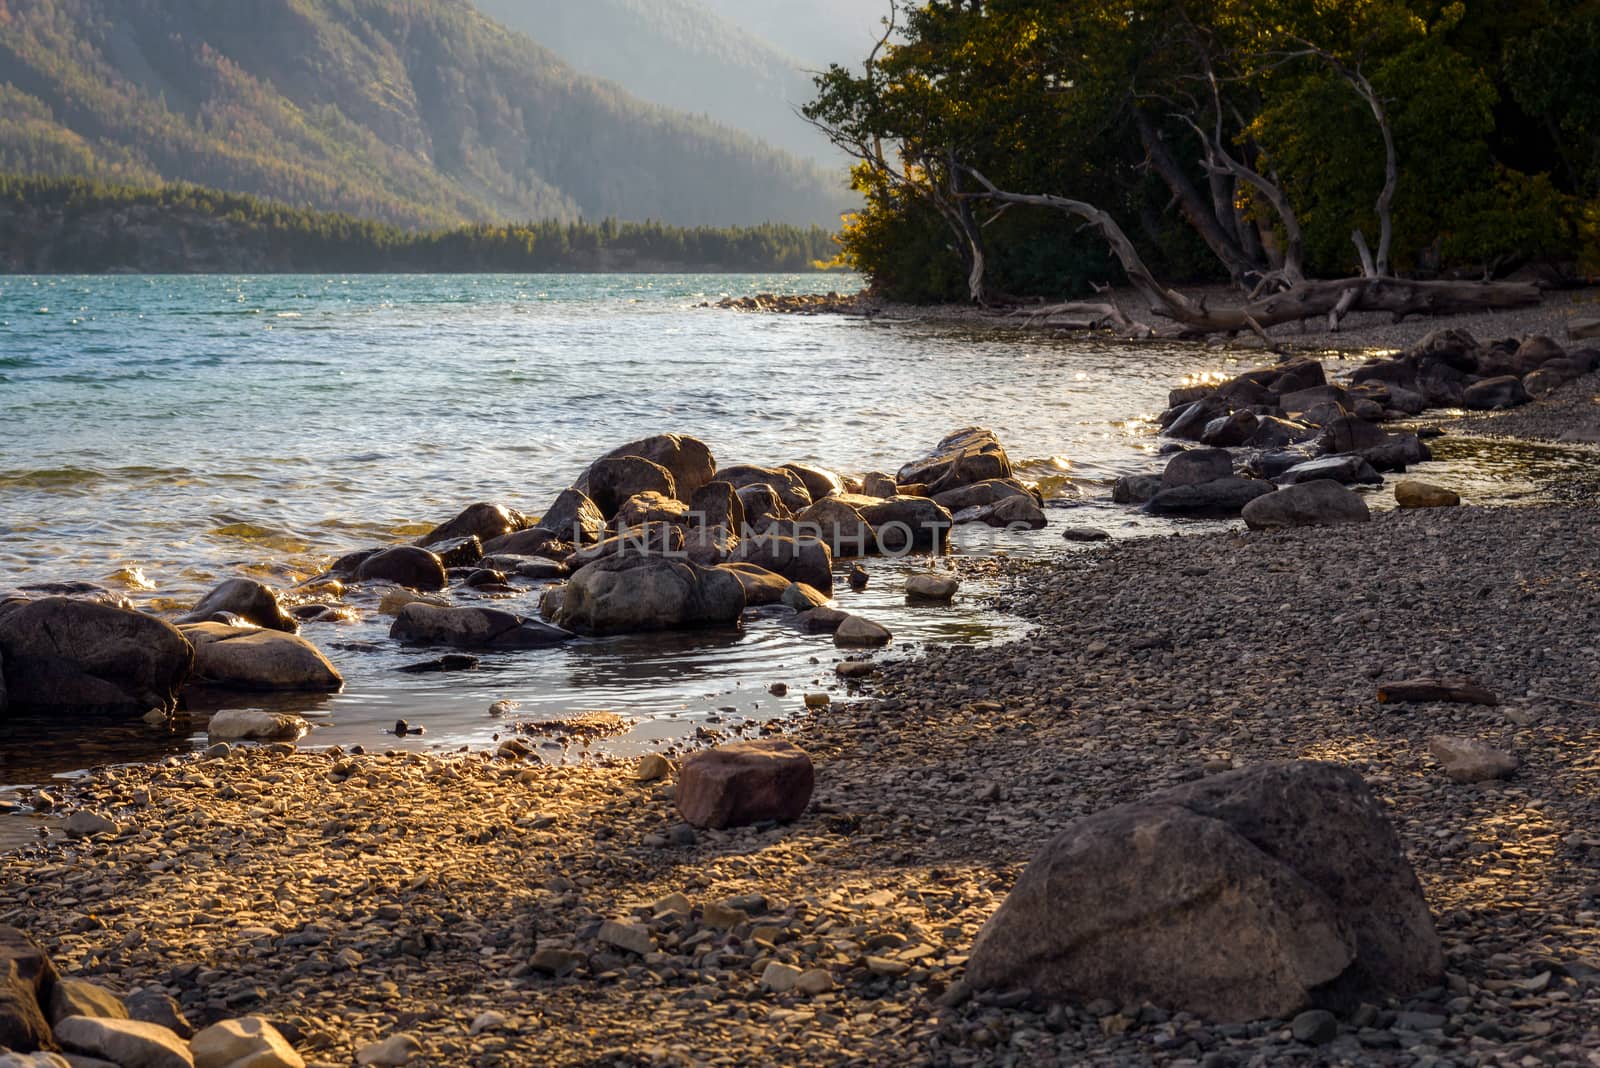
{"x": 745, "y": 782}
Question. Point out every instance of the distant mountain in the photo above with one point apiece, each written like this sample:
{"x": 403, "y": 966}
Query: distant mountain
{"x": 680, "y": 54}
{"x": 817, "y": 32}
{"x": 422, "y": 112}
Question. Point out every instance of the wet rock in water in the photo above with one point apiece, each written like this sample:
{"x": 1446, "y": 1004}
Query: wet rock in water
{"x": 129, "y": 1043}
{"x": 67, "y": 655}
{"x": 1085, "y": 534}
{"x": 393, "y": 600}
{"x": 573, "y": 518}
{"x": 961, "y": 458}
{"x": 687, "y": 459}
{"x": 716, "y": 504}
{"x": 855, "y": 669}
{"x": 1425, "y": 691}
{"x": 1135, "y": 489}
{"x": 856, "y": 631}
{"x": 1468, "y": 760}
{"x": 1297, "y": 862}
{"x": 761, "y": 505}
{"x": 931, "y": 587}
{"x": 1196, "y": 467}
{"x": 650, "y": 508}
{"x": 906, "y": 524}
{"x": 1011, "y": 513}
{"x": 537, "y": 568}
{"x": 457, "y": 552}
{"x": 820, "y": 483}
{"x": 472, "y": 628}
{"x": 244, "y": 658}
{"x": 805, "y": 560}
{"x": 761, "y": 587}
{"x": 247, "y": 599}
{"x": 404, "y": 565}
{"x": 486, "y": 577}
{"x": 803, "y": 597}
{"x": 613, "y": 479}
{"x": 841, "y": 526}
{"x": 858, "y": 578}
{"x": 1352, "y": 435}
{"x": 821, "y": 620}
{"x": 254, "y": 725}
{"x": 878, "y": 484}
{"x": 788, "y": 486}
{"x": 626, "y": 594}
{"x": 1230, "y": 430}
{"x": 1398, "y": 453}
{"x": 1223, "y": 497}
{"x": 485, "y": 520}
{"x": 657, "y": 539}
{"x": 1495, "y": 394}
{"x": 1300, "y": 401}
{"x": 1320, "y": 503}
{"x": 745, "y": 782}
{"x": 452, "y": 662}
{"x": 1346, "y": 469}
{"x": 535, "y": 541}
{"x": 79, "y": 997}
{"x": 250, "y": 1042}
{"x": 1274, "y": 433}
{"x": 1413, "y": 494}
{"x": 978, "y": 494}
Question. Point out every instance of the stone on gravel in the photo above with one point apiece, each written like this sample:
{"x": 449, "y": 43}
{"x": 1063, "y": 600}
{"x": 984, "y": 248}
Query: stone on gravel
{"x": 255, "y": 725}
{"x": 652, "y": 767}
{"x": 1494, "y": 394}
{"x": 1315, "y": 1027}
{"x": 156, "y": 1006}
{"x": 1469, "y": 760}
{"x": 87, "y": 825}
{"x": 1242, "y": 896}
{"x": 128, "y": 1043}
{"x": 250, "y": 1042}
{"x": 79, "y": 997}
{"x": 780, "y": 978}
{"x": 1424, "y": 691}
{"x": 632, "y": 937}
{"x": 931, "y": 587}
{"x": 22, "y": 1021}
{"x": 392, "y": 1052}
{"x": 1413, "y": 494}
{"x": 1323, "y": 502}
{"x": 856, "y": 631}
{"x": 745, "y": 782}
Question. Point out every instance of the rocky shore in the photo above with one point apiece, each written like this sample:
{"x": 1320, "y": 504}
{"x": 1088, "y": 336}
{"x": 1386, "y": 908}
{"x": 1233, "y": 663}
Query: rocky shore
{"x": 486, "y": 908}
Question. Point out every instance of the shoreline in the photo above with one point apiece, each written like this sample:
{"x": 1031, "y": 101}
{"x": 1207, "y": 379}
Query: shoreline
{"x": 354, "y": 897}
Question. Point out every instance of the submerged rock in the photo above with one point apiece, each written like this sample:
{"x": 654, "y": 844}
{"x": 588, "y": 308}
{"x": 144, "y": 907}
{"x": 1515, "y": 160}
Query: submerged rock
{"x": 255, "y": 725}
{"x": 1297, "y": 863}
{"x": 472, "y": 628}
{"x": 626, "y": 594}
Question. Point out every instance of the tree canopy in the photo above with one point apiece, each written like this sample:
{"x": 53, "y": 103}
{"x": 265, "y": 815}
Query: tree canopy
{"x": 1236, "y": 140}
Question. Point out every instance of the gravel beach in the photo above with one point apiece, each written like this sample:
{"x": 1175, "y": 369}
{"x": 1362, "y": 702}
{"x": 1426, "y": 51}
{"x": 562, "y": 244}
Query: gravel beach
{"x": 506, "y": 912}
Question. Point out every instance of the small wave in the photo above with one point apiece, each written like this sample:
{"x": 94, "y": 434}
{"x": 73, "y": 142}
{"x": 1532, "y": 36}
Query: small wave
{"x": 263, "y": 537}
{"x": 52, "y": 477}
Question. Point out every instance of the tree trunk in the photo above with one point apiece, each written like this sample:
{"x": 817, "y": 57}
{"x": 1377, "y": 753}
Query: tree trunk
{"x": 1193, "y": 205}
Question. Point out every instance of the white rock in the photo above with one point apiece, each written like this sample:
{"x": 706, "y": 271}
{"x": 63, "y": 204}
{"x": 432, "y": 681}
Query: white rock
{"x": 1469, "y": 760}
{"x": 83, "y": 824}
{"x": 391, "y": 1052}
{"x": 252, "y": 724}
{"x": 127, "y": 1043}
{"x": 250, "y": 1042}
{"x": 488, "y": 1021}
{"x": 780, "y": 978}
{"x": 633, "y": 937}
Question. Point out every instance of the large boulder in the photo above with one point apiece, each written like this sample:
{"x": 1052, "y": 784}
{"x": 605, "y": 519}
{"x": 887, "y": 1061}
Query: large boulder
{"x": 613, "y": 479}
{"x": 245, "y": 658}
{"x": 535, "y": 541}
{"x": 250, "y": 1042}
{"x": 959, "y": 459}
{"x": 1322, "y": 502}
{"x": 130, "y": 1043}
{"x": 404, "y": 565}
{"x": 761, "y": 587}
{"x": 484, "y": 520}
{"x": 761, "y": 505}
{"x": 472, "y": 628}
{"x": 687, "y": 459}
{"x": 716, "y": 504}
{"x": 1248, "y": 895}
{"x": 820, "y": 482}
{"x": 574, "y": 518}
{"x": 69, "y": 655}
{"x": 1494, "y": 394}
{"x": 249, "y": 600}
{"x": 710, "y": 545}
{"x": 745, "y": 782}
{"x": 1196, "y": 466}
{"x": 1227, "y": 431}
{"x": 789, "y": 487}
{"x": 1352, "y": 435}
{"x": 905, "y": 524}
{"x": 839, "y": 525}
{"x": 647, "y": 508}
{"x": 805, "y": 560}
{"x": 653, "y": 539}
{"x": 978, "y": 494}
{"x": 625, "y": 594}
{"x": 1218, "y": 498}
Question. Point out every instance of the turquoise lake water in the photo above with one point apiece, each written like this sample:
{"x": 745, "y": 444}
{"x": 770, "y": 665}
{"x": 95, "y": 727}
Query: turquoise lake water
{"x": 161, "y": 434}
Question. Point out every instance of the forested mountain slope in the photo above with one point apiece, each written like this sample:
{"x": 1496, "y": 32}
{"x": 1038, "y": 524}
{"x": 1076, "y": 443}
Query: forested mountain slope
{"x": 422, "y": 112}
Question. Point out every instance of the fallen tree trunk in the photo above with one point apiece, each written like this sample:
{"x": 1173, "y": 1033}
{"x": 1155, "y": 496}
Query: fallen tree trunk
{"x": 1306, "y": 300}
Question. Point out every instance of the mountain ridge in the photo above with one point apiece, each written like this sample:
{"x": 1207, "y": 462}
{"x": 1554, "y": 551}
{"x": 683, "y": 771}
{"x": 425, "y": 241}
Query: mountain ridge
{"x": 419, "y": 112}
